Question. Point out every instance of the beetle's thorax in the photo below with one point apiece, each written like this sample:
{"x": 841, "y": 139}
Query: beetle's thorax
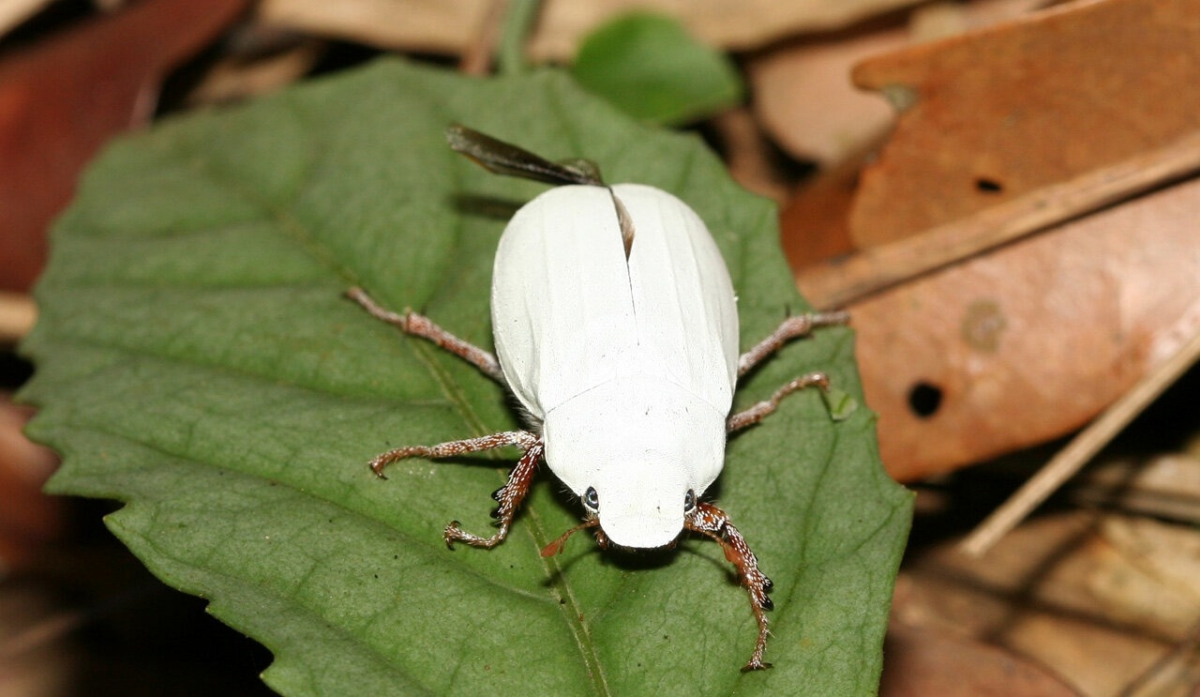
{"x": 642, "y": 443}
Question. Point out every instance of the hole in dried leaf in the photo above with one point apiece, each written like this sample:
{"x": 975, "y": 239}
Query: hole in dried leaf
{"x": 988, "y": 186}
{"x": 924, "y": 399}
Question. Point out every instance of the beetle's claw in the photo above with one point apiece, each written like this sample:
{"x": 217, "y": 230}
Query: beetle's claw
{"x": 452, "y": 533}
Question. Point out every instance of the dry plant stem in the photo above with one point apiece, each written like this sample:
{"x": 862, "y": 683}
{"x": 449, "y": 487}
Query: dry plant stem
{"x": 1176, "y": 657}
{"x": 420, "y": 325}
{"x": 13, "y": 12}
{"x": 477, "y": 58}
{"x": 1082, "y": 448}
{"x": 519, "y": 20}
{"x": 44, "y": 633}
{"x": 840, "y": 282}
{"x": 17, "y": 316}
{"x": 712, "y": 522}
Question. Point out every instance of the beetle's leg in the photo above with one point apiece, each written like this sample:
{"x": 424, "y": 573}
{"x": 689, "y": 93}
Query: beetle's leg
{"x": 760, "y": 411}
{"x": 508, "y": 496}
{"x": 711, "y": 521}
{"x": 522, "y": 439}
{"x": 420, "y": 325}
{"x": 791, "y": 328}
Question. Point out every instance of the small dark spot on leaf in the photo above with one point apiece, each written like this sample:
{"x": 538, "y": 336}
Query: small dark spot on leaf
{"x": 924, "y": 399}
{"x": 988, "y": 186}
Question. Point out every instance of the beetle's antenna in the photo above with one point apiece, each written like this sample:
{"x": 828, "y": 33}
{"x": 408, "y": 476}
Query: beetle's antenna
{"x": 557, "y": 546}
{"x": 499, "y": 157}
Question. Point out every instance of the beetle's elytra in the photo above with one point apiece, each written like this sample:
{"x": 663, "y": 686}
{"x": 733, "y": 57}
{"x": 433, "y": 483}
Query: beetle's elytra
{"x": 616, "y": 328}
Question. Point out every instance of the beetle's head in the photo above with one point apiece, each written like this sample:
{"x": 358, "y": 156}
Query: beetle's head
{"x": 637, "y": 457}
{"x": 639, "y": 506}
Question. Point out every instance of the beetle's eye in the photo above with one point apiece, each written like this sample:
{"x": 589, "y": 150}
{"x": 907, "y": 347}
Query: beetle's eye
{"x": 591, "y": 499}
{"x": 689, "y": 501}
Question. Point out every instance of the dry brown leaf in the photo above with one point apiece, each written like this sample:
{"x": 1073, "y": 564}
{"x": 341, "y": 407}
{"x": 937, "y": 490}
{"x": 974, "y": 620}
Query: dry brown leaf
{"x": 28, "y": 518}
{"x": 812, "y": 223}
{"x": 921, "y": 662}
{"x": 806, "y": 102}
{"x": 733, "y": 24}
{"x": 1030, "y": 341}
{"x": 1176, "y": 675}
{"x": 838, "y": 282}
{"x": 34, "y": 659}
{"x": 434, "y": 26}
{"x": 448, "y": 26}
{"x": 997, "y": 113}
{"x": 234, "y": 79}
{"x": 751, "y": 160}
{"x": 1158, "y": 586}
{"x": 63, "y": 97}
{"x": 803, "y": 93}
{"x": 1166, "y": 487}
{"x": 1101, "y": 602}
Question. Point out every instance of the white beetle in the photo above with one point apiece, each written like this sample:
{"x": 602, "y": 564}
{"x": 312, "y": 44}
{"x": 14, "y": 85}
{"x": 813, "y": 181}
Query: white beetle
{"x": 616, "y": 327}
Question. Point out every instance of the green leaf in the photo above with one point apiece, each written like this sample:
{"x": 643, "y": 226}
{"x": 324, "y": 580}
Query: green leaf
{"x": 840, "y": 403}
{"x": 197, "y": 360}
{"x": 651, "y": 68}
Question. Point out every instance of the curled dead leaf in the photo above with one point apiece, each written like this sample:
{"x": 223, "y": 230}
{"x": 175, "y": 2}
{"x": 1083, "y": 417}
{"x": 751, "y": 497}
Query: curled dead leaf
{"x": 1033, "y": 339}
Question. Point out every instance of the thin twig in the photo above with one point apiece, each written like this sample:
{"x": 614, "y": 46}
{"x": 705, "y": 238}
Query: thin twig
{"x": 837, "y": 283}
{"x": 479, "y": 54}
{"x": 1082, "y": 448}
{"x": 1176, "y": 660}
{"x": 17, "y": 315}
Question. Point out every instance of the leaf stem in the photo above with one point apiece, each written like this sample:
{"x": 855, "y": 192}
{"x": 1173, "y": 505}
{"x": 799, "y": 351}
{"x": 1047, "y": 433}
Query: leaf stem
{"x": 522, "y": 14}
